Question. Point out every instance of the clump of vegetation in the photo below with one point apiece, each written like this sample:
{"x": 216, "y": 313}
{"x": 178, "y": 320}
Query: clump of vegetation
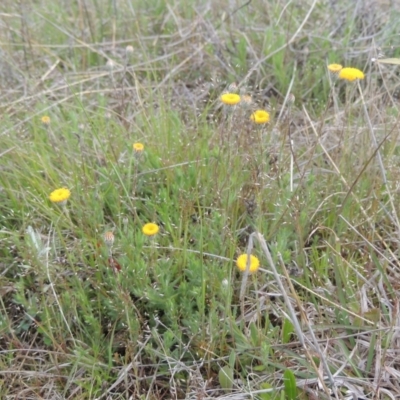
{"x": 199, "y": 200}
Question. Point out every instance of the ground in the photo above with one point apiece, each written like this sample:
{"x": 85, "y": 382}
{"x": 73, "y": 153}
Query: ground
{"x": 223, "y": 125}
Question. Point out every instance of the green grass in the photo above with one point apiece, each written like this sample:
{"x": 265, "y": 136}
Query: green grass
{"x": 179, "y": 320}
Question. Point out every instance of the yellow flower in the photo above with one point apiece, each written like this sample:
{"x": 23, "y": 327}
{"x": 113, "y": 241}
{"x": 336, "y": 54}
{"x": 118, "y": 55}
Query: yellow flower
{"x": 230, "y": 99}
{"x": 45, "y": 120}
{"x": 150, "y": 229}
{"x": 351, "y": 74}
{"x": 138, "y": 147}
{"x": 334, "y": 68}
{"x": 241, "y": 263}
{"x": 60, "y": 196}
{"x": 260, "y": 117}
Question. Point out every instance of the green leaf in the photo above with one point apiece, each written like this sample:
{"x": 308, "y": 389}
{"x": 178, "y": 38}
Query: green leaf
{"x": 254, "y": 334}
{"x": 232, "y": 359}
{"x": 267, "y": 396}
{"x": 289, "y": 382}
{"x": 287, "y": 331}
{"x": 225, "y": 377}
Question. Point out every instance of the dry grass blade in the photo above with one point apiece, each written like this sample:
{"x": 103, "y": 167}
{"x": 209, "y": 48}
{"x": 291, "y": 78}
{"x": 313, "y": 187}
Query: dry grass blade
{"x": 395, "y": 61}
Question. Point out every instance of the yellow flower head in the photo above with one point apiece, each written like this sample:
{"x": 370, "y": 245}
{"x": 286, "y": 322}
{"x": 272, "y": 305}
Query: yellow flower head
{"x": 334, "y": 68}
{"x": 150, "y": 229}
{"x": 351, "y": 74}
{"x": 241, "y": 263}
{"x": 60, "y": 196}
{"x": 45, "y": 120}
{"x": 260, "y": 117}
{"x": 138, "y": 147}
{"x": 230, "y": 99}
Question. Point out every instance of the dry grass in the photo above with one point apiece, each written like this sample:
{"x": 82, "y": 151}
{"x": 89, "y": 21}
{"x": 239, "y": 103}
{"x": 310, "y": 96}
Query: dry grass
{"x": 313, "y": 194}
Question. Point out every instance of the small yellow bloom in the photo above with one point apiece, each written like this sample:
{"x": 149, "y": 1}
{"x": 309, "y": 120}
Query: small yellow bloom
{"x": 241, "y": 263}
{"x": 150, "y": 229}
{"x": 45, "y": 120}
{"x": 334, "y": 68}
{"x": 260, "y": 117}
{"x": 60, "y": 196}
{"x": 230, "y": 99}
{"x": 351, "y": 74}
{"x": 138, "y": 147}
